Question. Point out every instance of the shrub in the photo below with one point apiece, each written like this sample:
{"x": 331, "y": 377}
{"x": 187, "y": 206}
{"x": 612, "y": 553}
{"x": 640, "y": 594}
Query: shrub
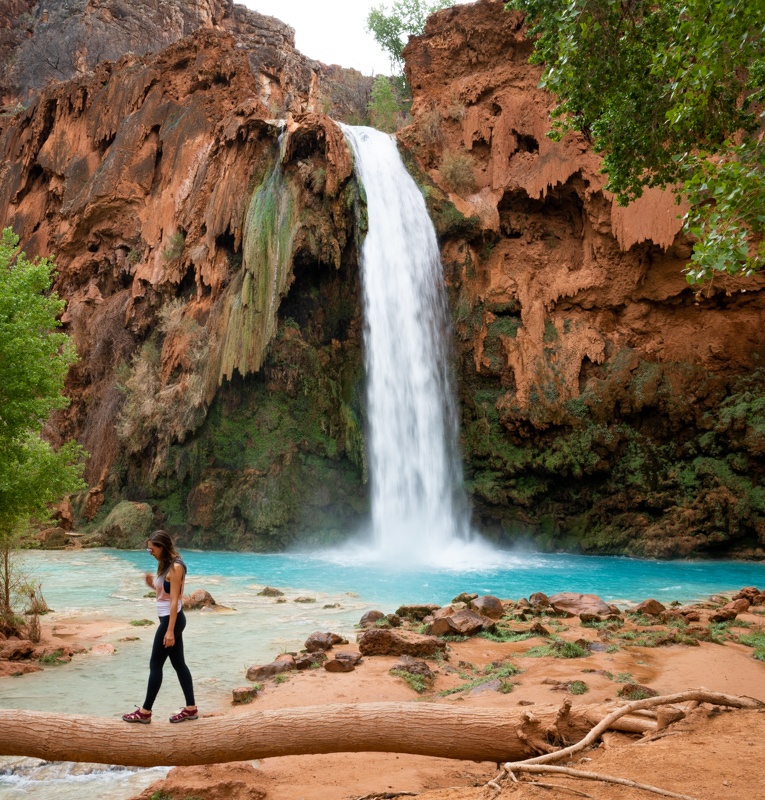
{"x": 457, "y": 171}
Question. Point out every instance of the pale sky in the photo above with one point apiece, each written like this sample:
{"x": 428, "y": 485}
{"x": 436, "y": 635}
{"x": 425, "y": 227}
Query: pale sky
{"x": 332, "y": 31}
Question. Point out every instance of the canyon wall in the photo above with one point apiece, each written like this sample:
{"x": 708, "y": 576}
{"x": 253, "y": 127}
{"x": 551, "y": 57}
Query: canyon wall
{"x": 206, "y": 224}
{"x": 217, "y": 388}
{"x": 607, "y": 405}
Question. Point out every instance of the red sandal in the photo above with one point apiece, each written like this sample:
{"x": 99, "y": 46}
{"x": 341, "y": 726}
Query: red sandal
{"x": 138, "y": 716}
{"x": 184, "y": 714}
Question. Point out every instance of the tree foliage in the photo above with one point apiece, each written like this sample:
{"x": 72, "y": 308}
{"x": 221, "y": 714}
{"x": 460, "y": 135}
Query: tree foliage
{"x": 34, "y": 360}
{"x": 392, "y": 27}
{"x": 671, "y": 93}
{"x": 383, "y": 107}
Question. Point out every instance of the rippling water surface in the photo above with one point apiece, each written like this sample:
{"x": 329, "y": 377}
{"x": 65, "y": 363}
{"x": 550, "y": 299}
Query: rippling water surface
{"x": 107, "y": 584}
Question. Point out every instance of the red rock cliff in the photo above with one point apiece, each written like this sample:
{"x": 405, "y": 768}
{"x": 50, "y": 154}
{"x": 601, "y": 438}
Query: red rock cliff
{"x": 592, "y": 372}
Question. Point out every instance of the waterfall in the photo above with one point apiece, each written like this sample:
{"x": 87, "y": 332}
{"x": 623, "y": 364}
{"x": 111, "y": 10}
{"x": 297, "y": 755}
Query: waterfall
{"x": 418, "y": 504}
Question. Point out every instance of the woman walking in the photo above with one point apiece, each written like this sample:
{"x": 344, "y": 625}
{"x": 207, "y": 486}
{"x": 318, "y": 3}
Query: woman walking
{"x": 168, "y": 640}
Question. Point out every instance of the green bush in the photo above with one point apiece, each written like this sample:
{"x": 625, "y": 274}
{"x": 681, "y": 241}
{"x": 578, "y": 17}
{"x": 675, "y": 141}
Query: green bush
{"x": 457, "y": 171}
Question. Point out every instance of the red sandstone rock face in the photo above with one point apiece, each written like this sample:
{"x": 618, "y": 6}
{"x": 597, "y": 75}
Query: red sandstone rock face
{"x": 138, "y": 179}
{"x": 602, "y": 275}
{"x": 564, "y": 305}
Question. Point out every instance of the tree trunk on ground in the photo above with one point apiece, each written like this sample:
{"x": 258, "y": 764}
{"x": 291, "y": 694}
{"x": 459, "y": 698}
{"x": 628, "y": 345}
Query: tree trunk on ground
{"x": 417, "y": 728}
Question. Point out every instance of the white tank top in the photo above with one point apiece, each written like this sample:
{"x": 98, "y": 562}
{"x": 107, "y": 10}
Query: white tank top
{"x": 162, "y": 587}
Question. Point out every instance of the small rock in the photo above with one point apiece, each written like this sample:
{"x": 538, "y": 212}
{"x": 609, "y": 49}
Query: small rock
{"x": 636, "y": 691}
{"x": 414, "y": 666}
{"x": 332, "y": 605}
{"x": 338, "y": 665}
{"x": 465, "y": 597}
{"x": 309, "y": 660}
{"x": 103, "y": 649}
{"x": 305, "y": 599}
{"x": 243, "y": 695}
{"x": 416, "y": 612}
{"x": 539, "y": 600}
{"x": 539, "y": 630}
{"x": 270, "y": 591}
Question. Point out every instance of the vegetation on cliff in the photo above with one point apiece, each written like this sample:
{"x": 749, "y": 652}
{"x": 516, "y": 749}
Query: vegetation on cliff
{"x": 671, "y": 94}
{"x": 34, "y": 360}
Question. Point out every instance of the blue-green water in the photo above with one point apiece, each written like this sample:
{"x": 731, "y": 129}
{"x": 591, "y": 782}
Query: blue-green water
{"x": 107, "y": 585}
{"x": 507, "y": 575}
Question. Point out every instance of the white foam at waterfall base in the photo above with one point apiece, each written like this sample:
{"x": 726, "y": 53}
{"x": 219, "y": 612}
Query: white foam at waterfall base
{"x": 419, "y": 510}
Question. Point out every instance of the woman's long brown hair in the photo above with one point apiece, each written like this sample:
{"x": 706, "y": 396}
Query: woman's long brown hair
{"x": 169, "y": 553}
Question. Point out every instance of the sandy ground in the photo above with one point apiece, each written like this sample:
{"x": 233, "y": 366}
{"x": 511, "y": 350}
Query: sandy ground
{"x": 710, "y": 754}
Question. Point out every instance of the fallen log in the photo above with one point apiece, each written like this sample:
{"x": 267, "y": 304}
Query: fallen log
{"x": 418, "y": 728}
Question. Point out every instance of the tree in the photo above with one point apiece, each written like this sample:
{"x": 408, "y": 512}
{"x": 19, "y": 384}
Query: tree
{"x": 383, "y": 107}
{"x": 34, "y": 360}
{"x": 392, "y": 28}
{"x": 671, "y": 94}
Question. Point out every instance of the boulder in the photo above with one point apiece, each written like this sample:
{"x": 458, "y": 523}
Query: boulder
{"x": 416, "y": 612}
{"x": 270, "y": 591}
{"x": 386, "y": 642}
{"x": 748, "y": 593}
{"x": 128, "y": 525}
{"x": 572, "y": 604}
{"x": 461, "y": 623}
{"x": 370, "y": 618}
{"x": 739, "y": 606}
{"x": 539, "y": 600}
{"x": 53, "y": 538}
{"x": 318, "y": 642}
{"x": 199, "y": 598}
{"x": 243, "y": 695}
{"x": 284, "y": 663}
{"x": 651, "y": 607}
{"x": 488, "y": 606}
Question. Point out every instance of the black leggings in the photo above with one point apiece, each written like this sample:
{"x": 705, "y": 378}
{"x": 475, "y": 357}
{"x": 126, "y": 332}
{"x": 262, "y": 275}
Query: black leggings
{"x": 160, "y": 654}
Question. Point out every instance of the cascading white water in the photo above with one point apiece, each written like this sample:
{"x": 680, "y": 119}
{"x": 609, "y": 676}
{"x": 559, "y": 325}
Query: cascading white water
{"x": 418, "y": 505}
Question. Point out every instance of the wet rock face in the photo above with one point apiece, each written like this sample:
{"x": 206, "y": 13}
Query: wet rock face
{"x": 139, "y": 177}
{"x": 592, "y": 376}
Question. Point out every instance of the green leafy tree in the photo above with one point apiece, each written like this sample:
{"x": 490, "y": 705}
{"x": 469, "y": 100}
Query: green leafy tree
{"x": 383, "y": 107}
{"x": 392, "y": 27}
{"x": 34, "y": 360}
{"x": 671, "y": 93}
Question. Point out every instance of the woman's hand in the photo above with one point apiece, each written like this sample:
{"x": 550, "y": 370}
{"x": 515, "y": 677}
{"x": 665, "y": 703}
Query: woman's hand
{"x": 149, "y": 578}
{"x": 169, "y": 639}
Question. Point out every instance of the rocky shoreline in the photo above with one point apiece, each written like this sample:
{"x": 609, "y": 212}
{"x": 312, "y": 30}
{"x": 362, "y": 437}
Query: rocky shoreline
{"x": 485, "y": 652}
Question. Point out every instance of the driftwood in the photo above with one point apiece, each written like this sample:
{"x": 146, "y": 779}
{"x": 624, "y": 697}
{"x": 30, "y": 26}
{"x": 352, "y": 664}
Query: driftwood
{"x": 541, "y": 764}
{"x": 418, "y": 728}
